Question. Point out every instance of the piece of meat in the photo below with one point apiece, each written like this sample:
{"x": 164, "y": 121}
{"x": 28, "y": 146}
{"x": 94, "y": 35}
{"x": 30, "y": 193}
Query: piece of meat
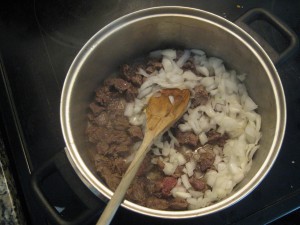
{"x": 101, "y": 119}
{"x": 137, "y": 80}
{"x": 112, "y": 180}
{"x": 118, "y": 149}
{"x": 94, "y": 133}
{"x": 137, "y": 192}
{"x": 111, "y": 136}
{"x": 206, "y": 160}
{"x": 120, "y": 122}
{"x": 102, "y": 147}
{"x": 101, "y": 160}
{"x": 152, "y": 65}
{"x": 126, "y": 71}
{"x": 116, "y": 106}
{"x": 119, "y": 137}
{"x": 95, "y": 108}
{"x": 131, "y": 94}
{"x": 198, "y": 184}
{"x": 188, "y": 154}
{"x": 105, "y": 169}
{"x": 145, "y": 167}
{"x": 154, "y": 187}
{"x": 91, "y": 117}
{"x": 129, "y": 73}
{"x": 118, "y": 84}
{"x": 179, "y": 53}
{"x": 215, "y": 138}
{"x": 178, "y": 204}
{"x": 168, "y": 183}
{"x": 189, "y": 65}
{"x": 120, "y": 165}
{"x": 178, "y": 171}
{"x": 136, "y": 133}
{"x": 157, "y": 203}
{"x": 104, "y": 95}
{"x": 187, "y": 138}
{"x": 201, "y": 96}
{"x": 160, "y": 164}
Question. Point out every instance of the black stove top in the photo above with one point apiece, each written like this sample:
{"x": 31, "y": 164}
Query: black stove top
{"x": 38, "y": 42}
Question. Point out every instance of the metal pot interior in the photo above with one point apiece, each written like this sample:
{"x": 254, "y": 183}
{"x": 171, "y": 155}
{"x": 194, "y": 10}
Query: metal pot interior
{"x": 139, "y": 33}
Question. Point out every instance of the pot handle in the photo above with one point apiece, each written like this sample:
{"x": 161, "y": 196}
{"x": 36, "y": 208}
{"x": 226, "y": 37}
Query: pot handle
{"x": 88, "y": 205}
{"x": 260, "y": 14}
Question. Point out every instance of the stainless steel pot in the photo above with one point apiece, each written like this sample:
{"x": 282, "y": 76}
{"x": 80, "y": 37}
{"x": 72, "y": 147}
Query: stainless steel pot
{"x": 139, "y": 33}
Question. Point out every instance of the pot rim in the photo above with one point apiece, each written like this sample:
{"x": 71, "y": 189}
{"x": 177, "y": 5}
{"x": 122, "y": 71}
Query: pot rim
{"x": 93, "y": 182}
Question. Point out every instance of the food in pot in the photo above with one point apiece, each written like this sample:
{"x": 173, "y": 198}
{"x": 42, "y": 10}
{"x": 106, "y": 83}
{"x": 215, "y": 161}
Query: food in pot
{"x": 200, "y": 159}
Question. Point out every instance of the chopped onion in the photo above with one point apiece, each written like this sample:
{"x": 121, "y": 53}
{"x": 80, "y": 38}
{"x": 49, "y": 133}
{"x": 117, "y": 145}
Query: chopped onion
{"x": 170, "y": 53}
{"x": 185, "y": 181}
{"x": 181, "y": 61}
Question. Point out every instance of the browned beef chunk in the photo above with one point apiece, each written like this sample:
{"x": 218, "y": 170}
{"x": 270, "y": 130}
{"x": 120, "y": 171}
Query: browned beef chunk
{"x": 91, "y": 118}
{"x": 116, "y": 106}
{"x": 154, "y": 187}
{"x": 111, "y": 136}
{"x": 178, "y": 171}
{"x": 136, "y": 133}
{"x": 94, "y": 134}
{"x": 102, "y": 147}
{"x": 178, "y": 204}
{"x": 179, "y": 53}
{"x": 120, "y": 165}
{"x": 198, "y": 184}
{"x": 137, "y": 80}
{"x": 201, "y": 96}
{"x": 101, "y": 160}
{"x": 157, "y": 203}
{"x": 187, "y": 138}
{"x": 120, "y": 122}
{"x": 118, "y": 84}
{"x": 137, "y": 191}
{"x": 189, "y": 65}
{"x": 119, "y": 137}
{"x": 130, "y": 74}
{"x": 215, "y": 138}
{"x": 152, "y": 65}
{"x": 104, "y": 95}
{"x": 118, "y": 149}
{"x": 206, "y": 160}
{"x": 105, "y": 169}
{"x": 131, "y": 94}
{"x": 112, "y": 180}
{"x": 101, "y": 119}
{"x": 160, "y": 164}
{"x": 168, "y": 183}
{"x": 126, "y": 71}
{"x": 145, "y": 167}
{"x": 95, "y": 108}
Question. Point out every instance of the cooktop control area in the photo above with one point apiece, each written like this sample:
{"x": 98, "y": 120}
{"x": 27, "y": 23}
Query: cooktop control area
{"x": 38, "y": 42}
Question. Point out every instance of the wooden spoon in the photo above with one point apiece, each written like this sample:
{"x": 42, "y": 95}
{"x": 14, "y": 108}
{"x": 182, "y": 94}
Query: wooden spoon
{"x": 163, "y": 110}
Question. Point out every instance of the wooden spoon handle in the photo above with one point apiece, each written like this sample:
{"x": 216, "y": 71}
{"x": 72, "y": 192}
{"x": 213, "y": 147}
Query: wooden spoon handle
{"x": 127, "y": 178}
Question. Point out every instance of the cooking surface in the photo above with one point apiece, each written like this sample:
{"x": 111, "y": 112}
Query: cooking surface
{"x": 38, "y": 43}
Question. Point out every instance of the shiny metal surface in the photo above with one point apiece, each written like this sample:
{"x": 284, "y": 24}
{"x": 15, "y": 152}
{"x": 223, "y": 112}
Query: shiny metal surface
{"x": 178, "y": 27}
